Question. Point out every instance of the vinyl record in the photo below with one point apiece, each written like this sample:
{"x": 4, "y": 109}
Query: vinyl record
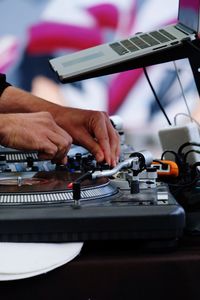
{"x": 53, "y": 181}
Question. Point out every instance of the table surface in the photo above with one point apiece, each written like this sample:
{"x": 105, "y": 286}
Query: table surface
{"x": 117, "y": 270}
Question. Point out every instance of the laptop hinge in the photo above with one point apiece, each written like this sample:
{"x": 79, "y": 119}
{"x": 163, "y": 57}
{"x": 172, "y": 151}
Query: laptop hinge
{"x": 185, "y": 29}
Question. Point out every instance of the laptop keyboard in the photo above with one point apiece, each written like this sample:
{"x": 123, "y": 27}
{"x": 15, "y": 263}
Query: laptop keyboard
{"x": 158, "y": 36}
{"x": 143, "y": 41}
{"x": 139, "y": 42}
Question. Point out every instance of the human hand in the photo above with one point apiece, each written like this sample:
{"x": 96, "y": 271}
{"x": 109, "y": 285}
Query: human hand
{"x": 93, "y": 130}
{"x": 35, "y": 131}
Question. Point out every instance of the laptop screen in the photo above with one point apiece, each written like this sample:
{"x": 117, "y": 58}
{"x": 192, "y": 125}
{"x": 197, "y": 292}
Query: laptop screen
{"x": 189, "y": 14}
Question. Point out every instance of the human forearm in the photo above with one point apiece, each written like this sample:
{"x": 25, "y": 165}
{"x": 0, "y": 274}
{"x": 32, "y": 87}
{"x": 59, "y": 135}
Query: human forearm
{"x": 15, "y": 100}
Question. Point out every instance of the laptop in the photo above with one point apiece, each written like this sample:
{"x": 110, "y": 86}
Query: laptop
{"x": 86, "y": 63}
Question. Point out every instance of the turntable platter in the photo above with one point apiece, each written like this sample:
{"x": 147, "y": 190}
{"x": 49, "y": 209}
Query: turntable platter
{"x": 50, "y": 187}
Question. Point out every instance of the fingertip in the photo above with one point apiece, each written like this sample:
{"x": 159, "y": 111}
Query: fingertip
{"x": 64, "y": 160}
{"x": 99, "y": 157}
{"x": 114, "y": 163}
{"x": 109, "y": 161}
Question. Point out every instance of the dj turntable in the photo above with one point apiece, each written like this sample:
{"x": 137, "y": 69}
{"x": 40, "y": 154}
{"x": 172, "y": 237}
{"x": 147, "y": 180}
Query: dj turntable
{"x": 84, "y": 200}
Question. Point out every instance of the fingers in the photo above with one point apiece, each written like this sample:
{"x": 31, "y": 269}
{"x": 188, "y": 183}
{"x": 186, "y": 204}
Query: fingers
{"x": 101, "y": 133}
{"x": 63, "y": 144}
{"x": 35, "y": 131}
{"x": 114, "y": 141}
{"x": 100, "y": 138}
{"x": 87, "y": 141}
{"x": 56, "y": 145}
{"x": 93, "y": 130}
{"x": 108, "y": 139}
{"x": 54, "y": 150}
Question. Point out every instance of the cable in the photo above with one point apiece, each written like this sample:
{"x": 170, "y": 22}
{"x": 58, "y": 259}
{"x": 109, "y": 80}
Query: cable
{"x": 156, "y": 97}
{"x": 182, "y": 90}
{"x": 160, "y": 162}
{"x": 170, "y": 151}
{"x": 185, "y": 145}
{"x": 186, "y": 115}
{"x": 188, "y": 152}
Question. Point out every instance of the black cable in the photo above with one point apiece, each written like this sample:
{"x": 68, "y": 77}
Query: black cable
{"x": 185, "y": 145}
{"x": 156, "y": 97}
{"x": 159, "y": 161}
{"x": 170, "y": 151}
{"x": 190, "y": 151}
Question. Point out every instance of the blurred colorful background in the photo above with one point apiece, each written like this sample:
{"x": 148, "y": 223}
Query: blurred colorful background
{"x": 32, "y": 32}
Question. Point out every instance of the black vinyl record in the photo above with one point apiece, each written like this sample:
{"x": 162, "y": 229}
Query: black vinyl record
{"x": 45, "y": 182}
